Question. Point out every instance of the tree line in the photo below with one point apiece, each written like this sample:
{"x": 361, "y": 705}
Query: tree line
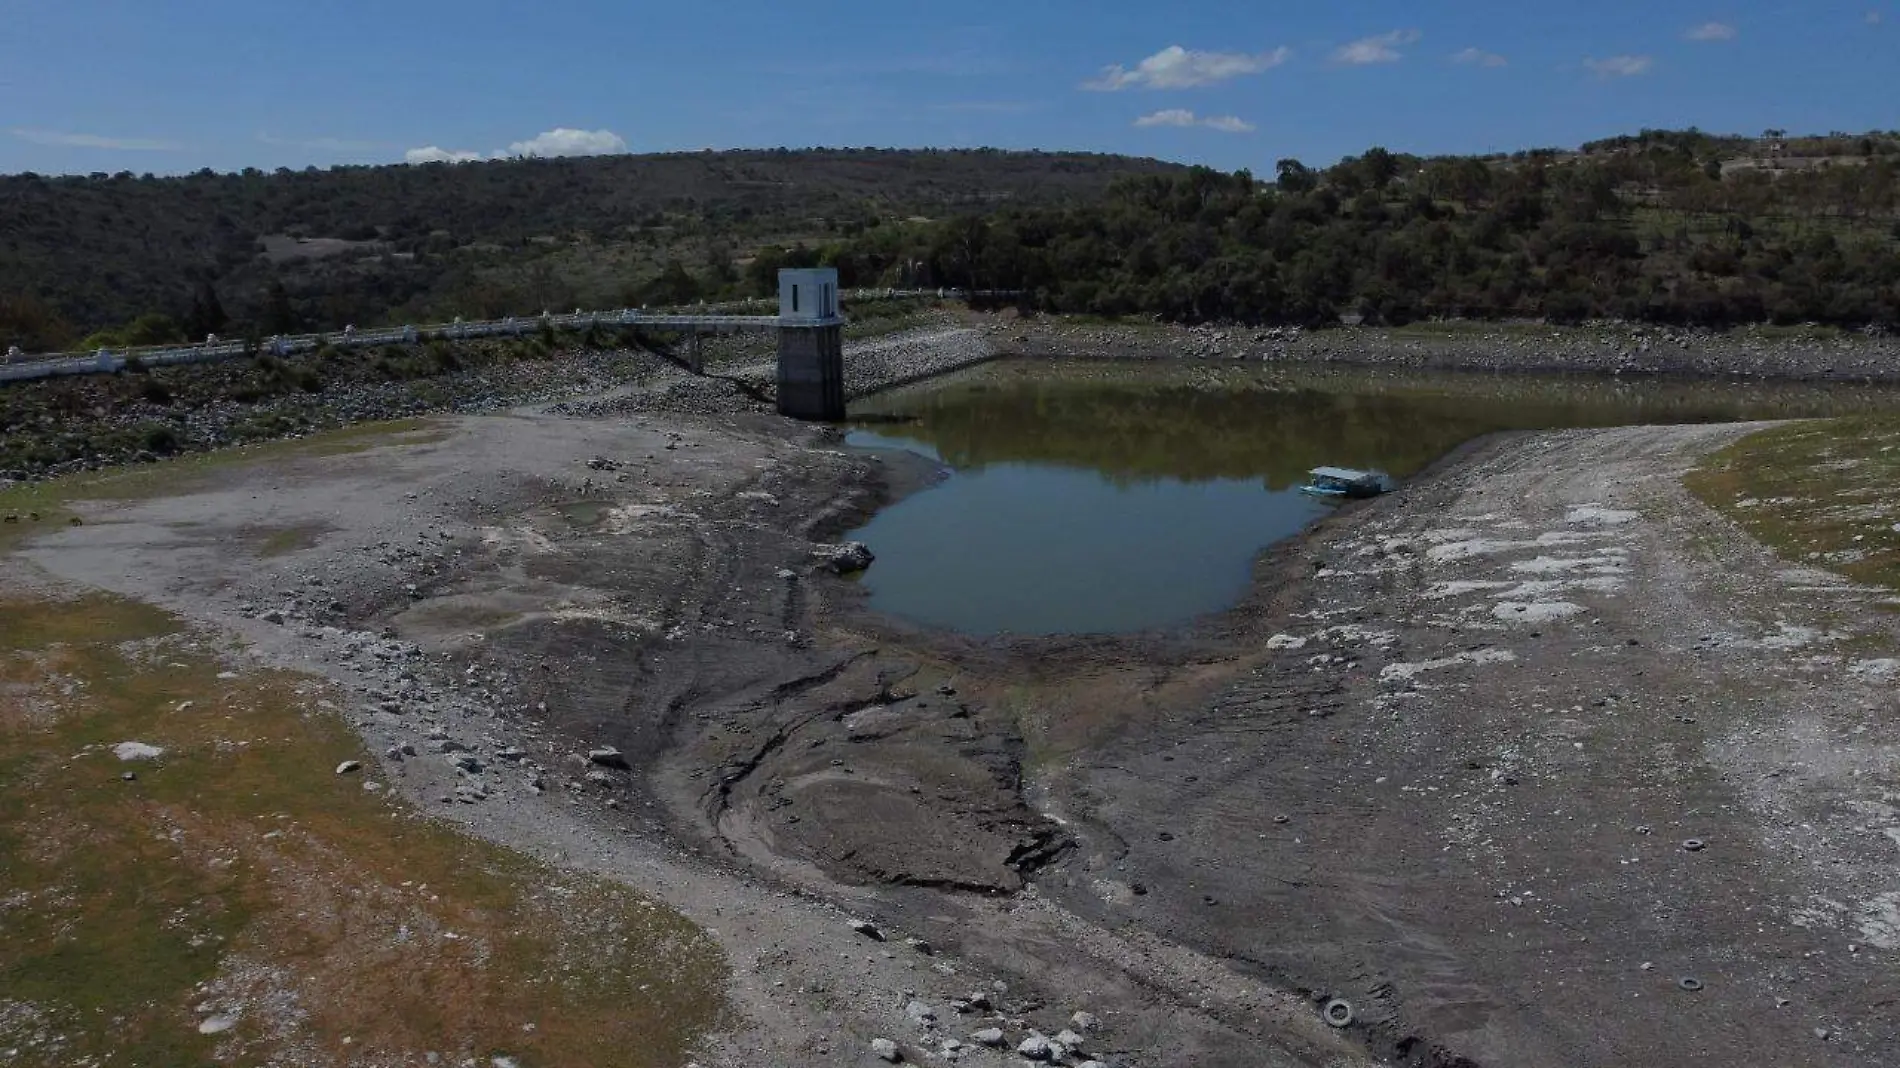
{"x": 1667, "y": 227}
{"x": 1662, "y": 226}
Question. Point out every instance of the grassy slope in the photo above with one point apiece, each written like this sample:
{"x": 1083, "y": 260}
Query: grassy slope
{"x": 240, "y": 872}
{"x": 1824, "y": 493}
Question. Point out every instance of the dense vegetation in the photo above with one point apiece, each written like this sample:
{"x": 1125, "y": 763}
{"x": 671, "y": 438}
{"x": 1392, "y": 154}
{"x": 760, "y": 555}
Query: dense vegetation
{"x": 1663, "y": 227}
{"x": 1675, "y": 227}
{"x": 290, "y": 250}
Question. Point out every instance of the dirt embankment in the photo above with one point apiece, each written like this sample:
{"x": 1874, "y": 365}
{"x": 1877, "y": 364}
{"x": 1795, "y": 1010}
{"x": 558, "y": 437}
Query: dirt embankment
{"x": 1444, "y": 763}
{"x": 1610, "y": 349}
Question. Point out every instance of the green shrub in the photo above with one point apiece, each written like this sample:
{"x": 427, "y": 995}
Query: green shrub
{"x": 158, "y": 437}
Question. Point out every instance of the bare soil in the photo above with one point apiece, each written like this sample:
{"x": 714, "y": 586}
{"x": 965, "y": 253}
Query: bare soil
{"x": 1442, "y": 762}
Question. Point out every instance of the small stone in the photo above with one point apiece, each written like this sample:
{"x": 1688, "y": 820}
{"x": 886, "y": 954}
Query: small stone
{"x": 129, "y": 776}
{"x": 1069, "y": 1039}
{"x": 608, "y": 757}
{"x": 348, "y": 766}
{"x": 216, "y": 1025}
{"x": 867, "y": 929}
{"x": 920, "y": 1012}
{"x": 1084, "y": 1021}
{"x": 1822, "y": 1033}
{"x": 989, "y": 1036}
{"x": 273, "y": 616}
{"x": 920, "y": 946}
{"x": 886, "y": 1049}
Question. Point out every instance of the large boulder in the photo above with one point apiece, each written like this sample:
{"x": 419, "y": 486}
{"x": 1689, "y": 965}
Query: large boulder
{"x": 847, "y": 558}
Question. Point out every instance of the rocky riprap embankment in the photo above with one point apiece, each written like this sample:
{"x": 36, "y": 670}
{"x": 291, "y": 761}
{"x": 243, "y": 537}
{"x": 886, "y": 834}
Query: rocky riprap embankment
{"x": 869, "y": 366}
{"x": 907, "y": 357}
{"x": 891, "y": 360}
{"x": 60, "y": 426}
{"x": 1609, "y": 349}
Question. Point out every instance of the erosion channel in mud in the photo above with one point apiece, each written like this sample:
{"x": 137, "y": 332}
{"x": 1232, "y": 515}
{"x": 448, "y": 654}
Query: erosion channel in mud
{"x": 1094, "y": 497}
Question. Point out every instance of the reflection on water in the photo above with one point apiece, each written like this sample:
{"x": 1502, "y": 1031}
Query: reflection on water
{"x": 1091, "y": 497}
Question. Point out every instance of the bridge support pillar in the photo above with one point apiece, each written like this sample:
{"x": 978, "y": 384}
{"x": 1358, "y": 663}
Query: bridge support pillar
{"x": 811, "y": 372}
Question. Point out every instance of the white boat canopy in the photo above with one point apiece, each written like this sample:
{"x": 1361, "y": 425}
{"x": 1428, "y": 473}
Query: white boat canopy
{"x": 1343, "y": 474}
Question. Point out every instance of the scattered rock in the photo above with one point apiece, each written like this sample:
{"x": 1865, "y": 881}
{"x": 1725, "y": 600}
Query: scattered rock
{"x": 130, "y": 751}
{"x": 886, "y": 1050}
{"x": 1084, "y": 1022}
{"x": 867, "y": 929}
{"x": 1036, "y": 1048}
{"x": 920, "y": 1013}
{"x": 847, "y": 558}
{"x": 349, "y": 766}
{"x": 608, "y": 757}
{"x": 989, "y": 1036}
{"x": 216, "y": 1025}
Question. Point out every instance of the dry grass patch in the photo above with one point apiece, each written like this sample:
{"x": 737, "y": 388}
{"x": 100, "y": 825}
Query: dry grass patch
{"x": 238, "y": 901}
{"x": 1825, "y": 493}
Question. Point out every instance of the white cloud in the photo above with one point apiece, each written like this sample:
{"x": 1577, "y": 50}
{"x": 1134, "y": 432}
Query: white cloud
{"x": 1000, "y": 107}
{"x": 83, "y": 140}
{"x": 1478, "y": 57}
{"x": 1619, "y": 66}
{"x": 1710, "y": 31}
{"x": 562, "y": 141}
{"x": 1875, "y": 18}
{"x": 1175, "y": 67}
{"x": 433, "y": 154}
{"x": 1383, "y": 48}
{"x": 338, "y": 145}
{"x": 1185, "y": 118}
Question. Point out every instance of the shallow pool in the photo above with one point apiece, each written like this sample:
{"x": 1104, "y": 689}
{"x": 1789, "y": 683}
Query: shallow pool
{"x": 1091, "y": 497}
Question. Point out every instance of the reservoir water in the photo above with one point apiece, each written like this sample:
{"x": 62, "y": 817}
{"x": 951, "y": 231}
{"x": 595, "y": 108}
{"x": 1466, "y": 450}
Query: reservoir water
{"x": 1094, "y": 497}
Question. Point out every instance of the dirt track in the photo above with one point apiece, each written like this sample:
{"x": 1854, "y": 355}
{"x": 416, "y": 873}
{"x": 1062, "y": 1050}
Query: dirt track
{"x": 1545, "y": 668}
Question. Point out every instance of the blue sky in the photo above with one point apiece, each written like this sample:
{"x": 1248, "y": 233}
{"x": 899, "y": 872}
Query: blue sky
{"x": 107, "y": 85}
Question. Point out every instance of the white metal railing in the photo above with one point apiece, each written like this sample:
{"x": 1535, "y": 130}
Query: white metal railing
{"x": 708, "y": 317}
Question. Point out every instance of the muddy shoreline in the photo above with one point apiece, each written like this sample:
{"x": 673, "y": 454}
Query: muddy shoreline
{"x": 1406, "y": 771}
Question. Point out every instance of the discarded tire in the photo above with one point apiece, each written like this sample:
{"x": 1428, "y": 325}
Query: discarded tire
{"x": 1689, "y": 983}
{"x": 1338, "y": 1013}
{"x": 1693, "y": 845}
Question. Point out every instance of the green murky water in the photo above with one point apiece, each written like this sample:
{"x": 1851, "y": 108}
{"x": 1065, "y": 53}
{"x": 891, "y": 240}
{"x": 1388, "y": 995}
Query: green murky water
{"x": 1089, "y": 497}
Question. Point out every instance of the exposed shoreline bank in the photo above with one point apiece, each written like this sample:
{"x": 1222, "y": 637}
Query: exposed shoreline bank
{"x": 1609, "y": 350}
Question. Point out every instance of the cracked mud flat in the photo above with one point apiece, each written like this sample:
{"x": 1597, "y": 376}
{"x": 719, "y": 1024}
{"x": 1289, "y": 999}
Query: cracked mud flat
{"x": 1439, "y": 763}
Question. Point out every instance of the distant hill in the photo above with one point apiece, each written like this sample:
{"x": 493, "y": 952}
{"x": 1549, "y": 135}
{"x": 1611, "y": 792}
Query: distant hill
{"x": 1675, "y": 226}
{"x": 361, "y": 244}
{"x": 1664, "y": 226}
